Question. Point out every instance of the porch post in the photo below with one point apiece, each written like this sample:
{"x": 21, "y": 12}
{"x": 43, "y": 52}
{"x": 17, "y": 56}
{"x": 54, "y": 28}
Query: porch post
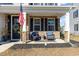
{"x": 67, "y": 28}
{"x": 24, "y": 28}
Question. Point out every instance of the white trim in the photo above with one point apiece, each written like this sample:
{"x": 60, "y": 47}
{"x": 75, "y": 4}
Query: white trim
{"x": 12, "y": 27}
{"x": 54, "y": 23}
{"x": 67, "y": 26}
{"x": 34, "y": 23}
{"x": 29, "y": 18}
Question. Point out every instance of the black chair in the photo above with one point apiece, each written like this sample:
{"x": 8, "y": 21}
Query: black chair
{"x": 35, "y": 36}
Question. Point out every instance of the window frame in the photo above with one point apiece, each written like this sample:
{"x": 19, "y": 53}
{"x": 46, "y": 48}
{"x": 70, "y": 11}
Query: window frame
{"x": 75, "y": 14}
{"x": 53, "y": 25}
{"x": 36, "y": 24}
{"x": 76, "y": 27}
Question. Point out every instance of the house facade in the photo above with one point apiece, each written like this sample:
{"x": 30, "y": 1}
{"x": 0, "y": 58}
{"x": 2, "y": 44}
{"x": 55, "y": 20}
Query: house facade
{"x": 74, "y": 23}
{"x": 38, "y": 17}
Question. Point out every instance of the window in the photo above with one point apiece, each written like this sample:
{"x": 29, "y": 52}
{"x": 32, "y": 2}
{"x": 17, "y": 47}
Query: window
{"x": 51, "y": 24}
{"x": 75, "y": 27}
{"x": 37, "y": 21}
{"x": 36, "y": 3}
{"x": 41, "y": 3}
{"x": 36, "y": 24}
{"x": 51, "y": 4}
{"x": 30, "y": 3}
{"x": 42, "y": 24}
{"x": 6, "y": 3}
{"x": 45, "y": 4}
{"x": 75, "y": 14}
{"x": 37, "y": 28}
{"x": 56, "y": 4}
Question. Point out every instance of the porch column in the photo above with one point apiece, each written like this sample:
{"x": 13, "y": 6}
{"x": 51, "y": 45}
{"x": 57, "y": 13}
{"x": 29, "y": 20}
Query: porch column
{"x": 67, "y": 28}
{"x": 24, "y": 29}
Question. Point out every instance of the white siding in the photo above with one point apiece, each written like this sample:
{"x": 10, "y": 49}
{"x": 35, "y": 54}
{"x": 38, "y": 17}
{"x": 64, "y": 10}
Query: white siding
{"x": 74, "y": 21}
{"x": 2, "y": 24}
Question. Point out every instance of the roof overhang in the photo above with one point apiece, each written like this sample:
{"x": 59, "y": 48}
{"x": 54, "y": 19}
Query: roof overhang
{"x": 33, "y": 10}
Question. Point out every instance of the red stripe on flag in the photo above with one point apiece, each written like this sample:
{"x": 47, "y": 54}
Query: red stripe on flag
{"x": 21, "y": 19}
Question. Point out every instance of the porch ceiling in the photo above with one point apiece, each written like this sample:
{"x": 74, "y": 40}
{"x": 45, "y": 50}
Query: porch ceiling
{"x": 52, "y": 10}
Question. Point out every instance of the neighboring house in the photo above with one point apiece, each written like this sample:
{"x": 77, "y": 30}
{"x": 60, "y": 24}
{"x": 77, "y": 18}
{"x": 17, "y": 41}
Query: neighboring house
{"x": 74, "y": 23}
{"x": 41, "y": 17}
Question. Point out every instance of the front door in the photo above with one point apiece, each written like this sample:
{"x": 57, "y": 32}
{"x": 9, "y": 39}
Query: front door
{"x": 15, "y": 28}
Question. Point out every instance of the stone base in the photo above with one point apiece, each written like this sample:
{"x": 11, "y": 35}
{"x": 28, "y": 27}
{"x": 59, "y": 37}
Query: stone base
{"x": 57, "y": 34}
{"x": 23, "y": 39}
{"x": 66, "y": 36}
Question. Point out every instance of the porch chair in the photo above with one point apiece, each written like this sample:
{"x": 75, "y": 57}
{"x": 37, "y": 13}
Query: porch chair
{"x": 35, "y": 36}
{"x": 50, "y": 35}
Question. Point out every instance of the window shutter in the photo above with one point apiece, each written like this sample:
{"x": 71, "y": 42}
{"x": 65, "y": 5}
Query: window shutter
{"x": 31, "y": 24}
{"x": 56, "y": 24}
{"x": 42, "y": 24}
{"x": 45, "y": 24}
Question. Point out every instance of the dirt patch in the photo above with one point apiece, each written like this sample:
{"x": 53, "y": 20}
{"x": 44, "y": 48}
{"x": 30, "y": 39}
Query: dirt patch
{"x": 42, "y": 52}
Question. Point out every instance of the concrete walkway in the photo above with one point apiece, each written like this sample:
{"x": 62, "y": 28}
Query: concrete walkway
{"x": 6, "y": 45}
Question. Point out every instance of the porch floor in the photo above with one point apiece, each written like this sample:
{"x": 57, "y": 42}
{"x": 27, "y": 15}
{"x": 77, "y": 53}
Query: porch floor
{"x": 47, "y": 41}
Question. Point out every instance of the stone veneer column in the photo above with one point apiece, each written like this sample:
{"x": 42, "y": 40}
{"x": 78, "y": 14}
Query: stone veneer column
{"x": 67, "y": 28}
{"x": 23, "y": 38}
{"x": 27, "y": 28}
{"x": 66, "y": 36}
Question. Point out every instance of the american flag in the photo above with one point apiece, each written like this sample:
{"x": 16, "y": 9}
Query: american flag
{"x": 21, "y": 17}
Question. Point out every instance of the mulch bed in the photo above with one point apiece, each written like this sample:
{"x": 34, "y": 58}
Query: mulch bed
{"x": 39, "y": 50}
{"x": 27, "y": 46}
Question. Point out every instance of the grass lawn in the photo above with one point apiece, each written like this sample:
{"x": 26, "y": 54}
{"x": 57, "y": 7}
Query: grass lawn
{"x": 75, "y": 37}
{"x": 41, "y": 50}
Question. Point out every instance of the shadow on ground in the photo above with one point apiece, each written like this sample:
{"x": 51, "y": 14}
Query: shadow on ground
{"x": 6, "y": 42}
{"x": 75, "y": 42}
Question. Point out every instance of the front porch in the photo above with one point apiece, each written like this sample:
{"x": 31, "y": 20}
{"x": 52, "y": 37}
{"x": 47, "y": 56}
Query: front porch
{"x": 53, "y": 28}
{"x": 42, "y": 20}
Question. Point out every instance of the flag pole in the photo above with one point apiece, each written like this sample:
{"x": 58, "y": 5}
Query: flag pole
{"x": 21, "y": 20}
{"x": 21, "y": 32}
{"x": 21, "y": 25}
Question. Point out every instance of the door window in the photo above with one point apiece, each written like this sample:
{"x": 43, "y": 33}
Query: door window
{"x": 15, "y": 28}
